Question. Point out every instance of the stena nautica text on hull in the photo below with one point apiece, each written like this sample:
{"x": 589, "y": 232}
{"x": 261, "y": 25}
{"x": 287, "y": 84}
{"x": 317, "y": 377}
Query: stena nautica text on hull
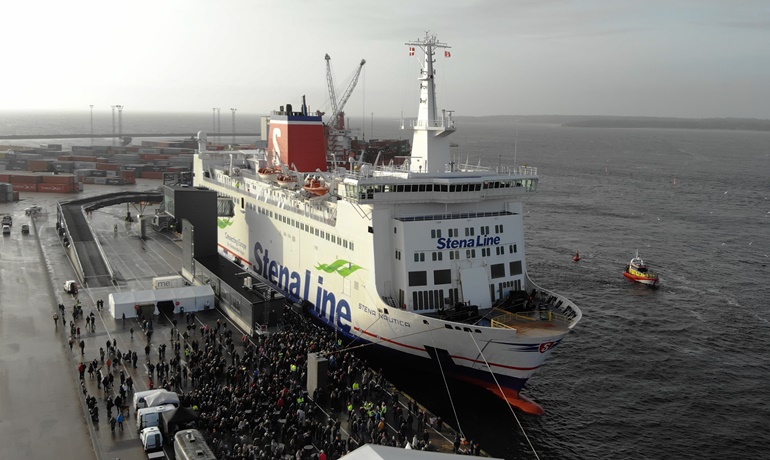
{"x": 425, "y": 259}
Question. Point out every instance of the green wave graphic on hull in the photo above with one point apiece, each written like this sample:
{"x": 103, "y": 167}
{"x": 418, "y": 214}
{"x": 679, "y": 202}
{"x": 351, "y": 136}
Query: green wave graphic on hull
{"x": 343, "y": 267}
{"x": 224, "y": 223}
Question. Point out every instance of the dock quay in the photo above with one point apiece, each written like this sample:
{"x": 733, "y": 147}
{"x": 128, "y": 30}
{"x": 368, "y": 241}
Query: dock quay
{"x": 61, "y": 416}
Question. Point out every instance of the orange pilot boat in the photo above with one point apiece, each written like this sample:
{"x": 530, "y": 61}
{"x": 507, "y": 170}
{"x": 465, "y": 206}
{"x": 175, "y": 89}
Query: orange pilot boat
{"x": 637, "y": 270}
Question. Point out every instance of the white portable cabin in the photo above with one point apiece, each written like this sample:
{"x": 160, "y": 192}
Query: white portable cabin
{"x": 189, "y": 298}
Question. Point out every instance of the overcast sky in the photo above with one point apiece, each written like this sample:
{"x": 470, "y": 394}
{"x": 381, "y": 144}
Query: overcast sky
{"x": 684, "y": 58}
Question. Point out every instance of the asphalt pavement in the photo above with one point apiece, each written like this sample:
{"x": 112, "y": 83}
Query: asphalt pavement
{"x": 42, "y": 409}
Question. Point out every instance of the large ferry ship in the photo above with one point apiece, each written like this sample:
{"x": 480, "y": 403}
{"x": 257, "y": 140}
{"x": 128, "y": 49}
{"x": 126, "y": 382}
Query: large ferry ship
{"x": 425, "y": 259}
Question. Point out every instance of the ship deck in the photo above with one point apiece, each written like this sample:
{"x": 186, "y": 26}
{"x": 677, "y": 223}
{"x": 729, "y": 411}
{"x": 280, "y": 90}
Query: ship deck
{"x": 527, "y": 315}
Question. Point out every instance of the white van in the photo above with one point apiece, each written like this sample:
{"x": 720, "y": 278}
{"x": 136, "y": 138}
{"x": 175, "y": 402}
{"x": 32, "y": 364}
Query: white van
{"x": 6, "y": 230}
{"x": 139, "y": 397}
{"x": 150, "y": 416}
{"x": 152, "y": 440}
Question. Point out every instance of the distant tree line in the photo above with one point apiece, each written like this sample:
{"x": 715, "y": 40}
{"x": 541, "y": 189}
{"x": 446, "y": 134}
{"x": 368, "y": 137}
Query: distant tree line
{"x": 748, "y": 124}
{"x": 587, "y": 121}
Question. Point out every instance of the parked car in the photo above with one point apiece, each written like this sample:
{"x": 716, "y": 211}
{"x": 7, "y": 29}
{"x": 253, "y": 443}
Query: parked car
{"x": 25, "y": 229}
{"x": 6, "y": 230}
{"x": 71, "y": 286}
{"x": 7, "y": 220}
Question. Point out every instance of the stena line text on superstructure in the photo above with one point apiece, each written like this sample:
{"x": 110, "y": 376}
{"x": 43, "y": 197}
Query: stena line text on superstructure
{"x": 449, "y": 243}
{"x": 328, "y": 308}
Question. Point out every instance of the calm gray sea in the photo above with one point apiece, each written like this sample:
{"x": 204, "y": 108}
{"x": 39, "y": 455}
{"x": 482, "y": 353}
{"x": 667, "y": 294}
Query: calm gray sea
{"x": 677, "y": 372}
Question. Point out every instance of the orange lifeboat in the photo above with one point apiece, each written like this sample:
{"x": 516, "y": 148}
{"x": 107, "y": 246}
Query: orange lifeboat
{"x": 316, "y": 187}
{"x": 286, "y": 180}
{"x": 268, "y": 174}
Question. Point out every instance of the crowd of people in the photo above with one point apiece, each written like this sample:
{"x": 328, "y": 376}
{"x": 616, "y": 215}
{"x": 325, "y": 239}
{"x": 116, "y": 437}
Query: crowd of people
{"x": 251, "y": 399}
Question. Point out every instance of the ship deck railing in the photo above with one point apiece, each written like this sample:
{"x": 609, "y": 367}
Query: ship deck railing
{"x": 386, "y": 172}
{"x": 514, "y": 320}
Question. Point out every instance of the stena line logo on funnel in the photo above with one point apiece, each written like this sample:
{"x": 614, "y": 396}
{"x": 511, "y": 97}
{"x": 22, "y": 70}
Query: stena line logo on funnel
{"x": 327, "y": 307}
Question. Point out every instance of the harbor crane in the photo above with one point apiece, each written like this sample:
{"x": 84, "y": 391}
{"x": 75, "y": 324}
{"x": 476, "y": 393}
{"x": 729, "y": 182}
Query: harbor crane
{"x": 337, "y": 119}
{"x": 337, "y": 134}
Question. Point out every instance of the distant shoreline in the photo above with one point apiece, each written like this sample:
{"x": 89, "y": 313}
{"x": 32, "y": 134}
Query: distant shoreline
{"x": 586, "y": 121}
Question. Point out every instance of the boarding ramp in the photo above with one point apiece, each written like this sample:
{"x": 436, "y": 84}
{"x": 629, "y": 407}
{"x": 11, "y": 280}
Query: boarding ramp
{"x": 79, "y": 240}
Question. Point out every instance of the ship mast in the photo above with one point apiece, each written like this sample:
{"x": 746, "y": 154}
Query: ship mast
{"x": 430, "y": 145}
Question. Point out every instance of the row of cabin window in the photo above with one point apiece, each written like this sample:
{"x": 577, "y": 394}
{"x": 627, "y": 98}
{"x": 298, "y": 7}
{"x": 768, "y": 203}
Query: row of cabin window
{"x": 444, "y": 276}
{"x": 305, "y": 227}
{"x": 434, "y": 299}
{"x": 469, "y": 231}
{"x": 366, "y": 191}
{"x": 455, "y": 254}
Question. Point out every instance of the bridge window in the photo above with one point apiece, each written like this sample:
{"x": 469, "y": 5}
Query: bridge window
{"x": 442, "y": 276}
{"x": 497, "y": 270}
{"x": 515, "y": 267}
{"x": 419, "y": 278}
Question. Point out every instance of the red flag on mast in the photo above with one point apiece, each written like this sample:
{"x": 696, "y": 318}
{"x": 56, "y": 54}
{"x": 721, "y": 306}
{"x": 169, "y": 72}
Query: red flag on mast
{"x": 447, "y": 54}
{"x": 411, "y": 50}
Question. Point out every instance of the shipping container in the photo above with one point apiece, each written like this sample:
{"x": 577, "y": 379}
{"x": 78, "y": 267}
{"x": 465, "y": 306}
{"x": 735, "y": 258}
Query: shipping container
{"x": 99, "y": 173}
{"x": 24, "y": 179}
{"x": 152, "y": 174}
{"x": 24, "y": 187}
{"x": 87, "y": 158}
{"x": 39, "y": 165}
{"x": 5, "y": 178}
{"x": 55, "y": 188}
{"x": 114, "y": 181}
{"x": 17, "y": 164}
{"x": 107, "y": 166}
{"x": 100, "y": 180}
{"x": 85, "y": 164}
{"x": 59, "y": 179}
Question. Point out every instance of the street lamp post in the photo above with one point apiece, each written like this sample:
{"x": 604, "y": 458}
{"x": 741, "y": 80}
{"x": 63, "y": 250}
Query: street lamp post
{"x": 113, "y": 125}
{"x": 120, "y": 123}
{"x": 92, "y": 124}
{"x": 233, "y": 110}
{"x": 219, "y": 124}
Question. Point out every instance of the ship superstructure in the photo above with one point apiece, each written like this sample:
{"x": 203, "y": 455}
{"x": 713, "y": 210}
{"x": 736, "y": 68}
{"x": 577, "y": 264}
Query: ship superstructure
{"x": 424, "y": 259}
